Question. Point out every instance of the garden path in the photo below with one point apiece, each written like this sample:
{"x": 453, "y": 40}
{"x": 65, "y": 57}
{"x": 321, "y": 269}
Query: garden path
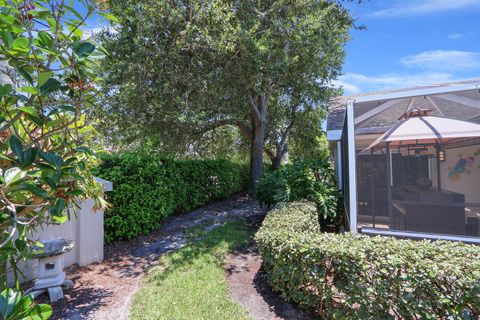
{"x": 105, "y": 290}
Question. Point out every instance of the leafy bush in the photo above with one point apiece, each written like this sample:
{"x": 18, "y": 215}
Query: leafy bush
{"x": 47, "y": 91}
{"x": 149, "y": 188}
{"x": 342, "y": 276}
{"x": 14, "y": 306}
{"x": 302, "y": 180}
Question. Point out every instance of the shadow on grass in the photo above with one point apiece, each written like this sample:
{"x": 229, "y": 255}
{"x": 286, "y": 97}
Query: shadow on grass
{"x": 212, "y": 244}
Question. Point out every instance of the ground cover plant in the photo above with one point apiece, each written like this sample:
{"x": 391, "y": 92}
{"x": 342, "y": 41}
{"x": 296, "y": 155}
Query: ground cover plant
{"x": 148, "y": 188}
{"x": 342, "y": 276}
{"x": 190, "y": 283}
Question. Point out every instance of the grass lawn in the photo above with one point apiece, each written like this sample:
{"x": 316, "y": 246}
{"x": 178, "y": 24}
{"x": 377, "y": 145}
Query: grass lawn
{"x": 190, "y": 283}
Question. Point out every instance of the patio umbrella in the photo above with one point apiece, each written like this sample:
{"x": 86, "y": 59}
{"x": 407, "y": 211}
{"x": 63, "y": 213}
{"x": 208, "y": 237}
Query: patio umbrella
{"x": 427, "y": 130}
{"x": 416, "y": 128}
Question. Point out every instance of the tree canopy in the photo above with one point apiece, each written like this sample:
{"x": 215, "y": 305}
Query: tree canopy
{"x": 179, "y": 69}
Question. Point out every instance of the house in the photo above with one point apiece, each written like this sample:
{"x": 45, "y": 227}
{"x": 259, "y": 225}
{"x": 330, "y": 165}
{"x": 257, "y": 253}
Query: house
{"x": 408, "y": 160}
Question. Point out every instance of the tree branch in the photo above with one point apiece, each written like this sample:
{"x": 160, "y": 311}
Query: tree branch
{"x": 270, "y": 154}
{"x": 254, "y": 106}
{"x": 246, "y": 131}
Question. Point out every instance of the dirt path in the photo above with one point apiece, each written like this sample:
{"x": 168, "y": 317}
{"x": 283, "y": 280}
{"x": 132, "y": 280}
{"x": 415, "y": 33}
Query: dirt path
{"x": 105, "y": 290}
{"x": 249, "y": 288}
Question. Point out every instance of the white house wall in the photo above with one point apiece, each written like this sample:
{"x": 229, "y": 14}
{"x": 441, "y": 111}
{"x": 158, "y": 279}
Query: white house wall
{"x": 466, "y": 182}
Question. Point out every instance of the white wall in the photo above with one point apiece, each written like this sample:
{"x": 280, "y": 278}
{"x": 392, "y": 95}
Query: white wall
{"x": 86, "y": 231}
{"x": 467, "y": 182}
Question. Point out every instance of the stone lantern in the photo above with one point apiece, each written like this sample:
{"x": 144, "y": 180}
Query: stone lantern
{"x": 50, "y": 275}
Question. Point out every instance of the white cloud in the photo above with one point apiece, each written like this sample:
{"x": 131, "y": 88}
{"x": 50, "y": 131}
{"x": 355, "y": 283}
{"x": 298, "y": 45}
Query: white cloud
{"x": 364, "y": 83}
{"x": 92, "y": 30}
{"x": 444, "y": 60}
{"x": 347, "y": 87}
{"x": 457, "y": 36}
{"x": 416, "y": 7}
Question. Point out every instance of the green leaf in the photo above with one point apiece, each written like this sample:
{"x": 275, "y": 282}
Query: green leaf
{"x": 13, "y": 175}
{"x": 30, "y": 110}
{"x": 75, "y": 12}
{"x": 77, "y": 32}
{"x": 9, "y": 298}
{"x": 83, "y": 49}
{"x": 27, "y": 157}
{"x": 7, "y": 38}
{"x": 39, "y": 312}
{"x": 5, "y": 90}
{"x": 58, "y": 208}
{"x": 24, "y": 73}
{"x": 66, "y": 108}
{"x": 45, "y": 40}
{"x": 50, "y": 86}
{"x": 34, "y": 189}
{"x": 109, "y": 16}
{"x": 86, "y": 150}
{"x": 16, "y": 146}
{"x": 21, "y": 44}
{"x": 29, "y": 89}
{"x": 4, "y": 157}
{"x": 75, "y": 193}
{"x": 43, "y": 77}
{"x": 52, "y": 158}
{"x": 52, "y": 23}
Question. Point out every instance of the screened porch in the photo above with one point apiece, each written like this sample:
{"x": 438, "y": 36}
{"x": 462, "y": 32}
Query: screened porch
{"x": 415, "y": 161}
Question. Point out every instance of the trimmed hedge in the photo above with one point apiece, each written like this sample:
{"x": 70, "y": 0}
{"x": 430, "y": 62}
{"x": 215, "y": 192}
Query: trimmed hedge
{"x": 341, "y": 276}
{"x": 148, "y": 189}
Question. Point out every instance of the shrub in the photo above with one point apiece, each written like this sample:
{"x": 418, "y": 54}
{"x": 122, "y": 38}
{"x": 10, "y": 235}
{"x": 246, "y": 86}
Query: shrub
{"x": 47, "y": 91}
{"x": 149, "y": 188}
{"x": 342, "y": 276}
{"x": 302, "y": 180}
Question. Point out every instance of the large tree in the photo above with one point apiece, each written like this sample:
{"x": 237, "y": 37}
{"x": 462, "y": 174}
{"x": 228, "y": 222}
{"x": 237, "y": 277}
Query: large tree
{"x": 181, "y": 68}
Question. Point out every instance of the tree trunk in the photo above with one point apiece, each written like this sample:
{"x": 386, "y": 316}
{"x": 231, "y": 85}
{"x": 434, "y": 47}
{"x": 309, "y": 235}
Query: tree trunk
{"x": 257, "y": 155}
{"x": 259, "y": 121}
{"x": 279, "y": 155}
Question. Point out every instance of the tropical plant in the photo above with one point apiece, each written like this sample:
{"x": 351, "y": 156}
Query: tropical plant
{"x": 302, "y": 180}
{"x": 48, "y": 90}
{"x": 14, "y": 306}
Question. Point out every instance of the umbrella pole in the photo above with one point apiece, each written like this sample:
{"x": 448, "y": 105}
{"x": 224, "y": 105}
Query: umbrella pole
{"x": 439, "y": 181}
{"x": 389, "y": 184}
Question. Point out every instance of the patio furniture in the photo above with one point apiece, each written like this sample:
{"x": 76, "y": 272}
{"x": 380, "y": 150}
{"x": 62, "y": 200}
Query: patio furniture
{"x": 417, "y": 130}
{"x": 430, "y": 211}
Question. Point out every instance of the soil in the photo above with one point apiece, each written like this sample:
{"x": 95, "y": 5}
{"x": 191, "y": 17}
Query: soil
{"x": 105, "y": 290}
{"x": 248, "y": 286}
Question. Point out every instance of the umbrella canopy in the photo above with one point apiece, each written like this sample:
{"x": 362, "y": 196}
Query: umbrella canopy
{"x": 427, "y": 130}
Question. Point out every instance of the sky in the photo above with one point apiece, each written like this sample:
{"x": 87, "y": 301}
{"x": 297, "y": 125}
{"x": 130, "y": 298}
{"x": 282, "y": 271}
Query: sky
{"x": 411, "y": 42}
{"x": 406, "y": 43}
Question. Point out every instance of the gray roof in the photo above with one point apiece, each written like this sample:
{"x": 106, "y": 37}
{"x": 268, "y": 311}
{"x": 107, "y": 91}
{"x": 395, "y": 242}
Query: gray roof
{"x": 337, "y": 105}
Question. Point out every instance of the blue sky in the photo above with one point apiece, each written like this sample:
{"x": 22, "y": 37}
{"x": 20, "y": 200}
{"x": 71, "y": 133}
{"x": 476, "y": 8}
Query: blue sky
{"x": 412, "y": 42}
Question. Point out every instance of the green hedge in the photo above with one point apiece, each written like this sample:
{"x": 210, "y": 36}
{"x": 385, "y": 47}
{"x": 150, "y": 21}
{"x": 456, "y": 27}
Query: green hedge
{"x": 148, "y": 188}
{"x": 341, "y": 276}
